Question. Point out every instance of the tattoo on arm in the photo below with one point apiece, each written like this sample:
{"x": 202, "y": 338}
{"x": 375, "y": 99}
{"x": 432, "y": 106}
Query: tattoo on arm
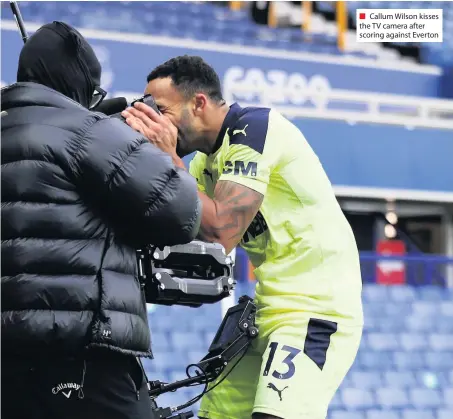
{"x": 227, "y": 217}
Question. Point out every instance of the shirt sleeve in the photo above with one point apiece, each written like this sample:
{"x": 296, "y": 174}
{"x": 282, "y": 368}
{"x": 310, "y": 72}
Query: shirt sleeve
{"x": 247, "y": 167}
{"x": 247, "y": 160}
{"x": 196, "y": 167}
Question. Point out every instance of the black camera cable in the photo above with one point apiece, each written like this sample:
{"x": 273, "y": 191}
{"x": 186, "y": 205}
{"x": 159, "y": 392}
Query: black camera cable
{"x": 206, "y": 381}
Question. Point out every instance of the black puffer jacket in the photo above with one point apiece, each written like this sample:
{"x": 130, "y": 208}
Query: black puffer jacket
{"x": 80, "y": 192}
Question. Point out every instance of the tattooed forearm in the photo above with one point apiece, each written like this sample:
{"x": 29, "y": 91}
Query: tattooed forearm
{"x": 227, "y": 217}
{"x": 236, "y": 207}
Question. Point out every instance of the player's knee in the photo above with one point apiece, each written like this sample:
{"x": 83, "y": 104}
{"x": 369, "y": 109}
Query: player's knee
{"x": 264, "y": 416}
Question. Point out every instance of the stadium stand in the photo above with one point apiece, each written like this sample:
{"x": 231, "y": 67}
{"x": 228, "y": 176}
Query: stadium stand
{"x": 209, "y": 22}
{"x": 404, "y": 368}
{"x": 433, "y": 53}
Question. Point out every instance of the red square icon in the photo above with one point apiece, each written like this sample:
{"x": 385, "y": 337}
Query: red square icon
{"x": 362, "y": 16}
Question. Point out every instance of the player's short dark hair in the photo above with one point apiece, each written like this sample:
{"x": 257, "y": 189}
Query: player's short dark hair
{"x": 190, "y": 75}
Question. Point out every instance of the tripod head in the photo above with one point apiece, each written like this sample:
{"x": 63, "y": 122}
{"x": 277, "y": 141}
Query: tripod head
{"x": 232, "y": 339}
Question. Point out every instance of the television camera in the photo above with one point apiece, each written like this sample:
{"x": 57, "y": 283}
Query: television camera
{"x": 192, "y": 275}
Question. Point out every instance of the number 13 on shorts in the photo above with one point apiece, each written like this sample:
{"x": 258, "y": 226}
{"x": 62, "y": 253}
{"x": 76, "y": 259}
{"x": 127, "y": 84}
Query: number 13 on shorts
{"x": 287, "y": 361}
{"x": 300, "y": 372}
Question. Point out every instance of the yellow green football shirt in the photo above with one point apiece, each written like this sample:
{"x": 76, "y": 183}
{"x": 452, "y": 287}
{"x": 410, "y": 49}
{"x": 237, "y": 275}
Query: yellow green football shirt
{"x": 300, "y": 242}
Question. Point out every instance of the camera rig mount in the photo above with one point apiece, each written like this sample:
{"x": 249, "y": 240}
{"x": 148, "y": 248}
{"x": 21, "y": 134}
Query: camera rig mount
{"x": 190, "y": 275}
{"x": 231, "y": 341}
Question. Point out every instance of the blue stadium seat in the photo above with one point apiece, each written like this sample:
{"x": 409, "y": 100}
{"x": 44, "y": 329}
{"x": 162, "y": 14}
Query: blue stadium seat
{"x": 399, "y": 379}
{"x": 392, "y": 398}
{"x": 444, "y": 325}
{"x": 441, "y": 342}
{"x": 202, "y": 325}
{"x": 347, "y": 381}
{"x": 450, "y": 377}
{"x": 365, "y": 380}
{"x": 374, "y": 292}
{"x": 210, "y": 312}
{"x": 151, "y": 364}
{"x": 208, "y": 338}
{"x": 375, "y": 360}
{"x": 347, "y": 415}
{"x": 402, "y": 293}
{"x": 431, "y": 379}
{"x": 448, "y": 397}
{"x": 431, "y": 293}
{"x": 169, "y": 361}
{"x": 417, "y": 414}
{"x": 444, "y": 414}
{"x": 355, "y": 367}
{"x": 382, "y": 414}
{"x": 163, "y": 321}
{"x": 413, "y": 341}
{"x": 373, "y": 310}
{"x": 383, "y": 341}
{"x": 336, "y": 403}
{"x": 196, "y": 356}
{"x": 153, "y": 373}
{"x": 354, "y": 398}
{"x": 185, "y": 341}
{"x": 439, "y": 360}
{"x": 425, "y": 309}
{"x": 425, "y": 398}
{"x": 419, "y": 323}
{"x": 409, "y": 361}
{"x": 391, "y": 324}
{"x": 393, "y": 309}
{"x": 371, "y": 325}
{"x": 446, "y": 308}
{"x": 326, "y": 6}
{"x": 160, "y": 341}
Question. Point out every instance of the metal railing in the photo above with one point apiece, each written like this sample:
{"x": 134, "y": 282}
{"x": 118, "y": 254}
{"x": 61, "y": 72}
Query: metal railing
{"x": 417, "y": 270}
{"x": 326, "y": 103}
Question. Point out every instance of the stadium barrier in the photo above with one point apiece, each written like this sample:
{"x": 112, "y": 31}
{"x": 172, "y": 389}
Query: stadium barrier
{"x": 352, "y": 106}
{"x": 415, "y": 270}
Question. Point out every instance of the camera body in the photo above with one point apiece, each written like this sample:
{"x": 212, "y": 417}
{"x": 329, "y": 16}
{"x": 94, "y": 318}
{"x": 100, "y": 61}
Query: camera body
{"x": 191, "y": 275}
{"x": 146, "y": 99}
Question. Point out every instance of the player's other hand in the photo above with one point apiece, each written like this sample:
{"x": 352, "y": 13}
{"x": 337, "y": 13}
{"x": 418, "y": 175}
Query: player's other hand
{"x": 158, "y": 129}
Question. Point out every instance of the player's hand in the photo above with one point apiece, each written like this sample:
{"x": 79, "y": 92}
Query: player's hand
{"x": 158, "y": 129}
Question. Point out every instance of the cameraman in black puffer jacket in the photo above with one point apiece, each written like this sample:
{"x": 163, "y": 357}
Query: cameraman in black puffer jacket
{"x": 80, "y": 192}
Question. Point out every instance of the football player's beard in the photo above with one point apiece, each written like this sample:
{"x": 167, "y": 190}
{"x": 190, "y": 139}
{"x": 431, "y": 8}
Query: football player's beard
{"x": 180, "y": 151}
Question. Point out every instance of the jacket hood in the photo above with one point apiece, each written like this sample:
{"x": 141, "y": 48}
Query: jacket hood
{"x": 59, "y": 57}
